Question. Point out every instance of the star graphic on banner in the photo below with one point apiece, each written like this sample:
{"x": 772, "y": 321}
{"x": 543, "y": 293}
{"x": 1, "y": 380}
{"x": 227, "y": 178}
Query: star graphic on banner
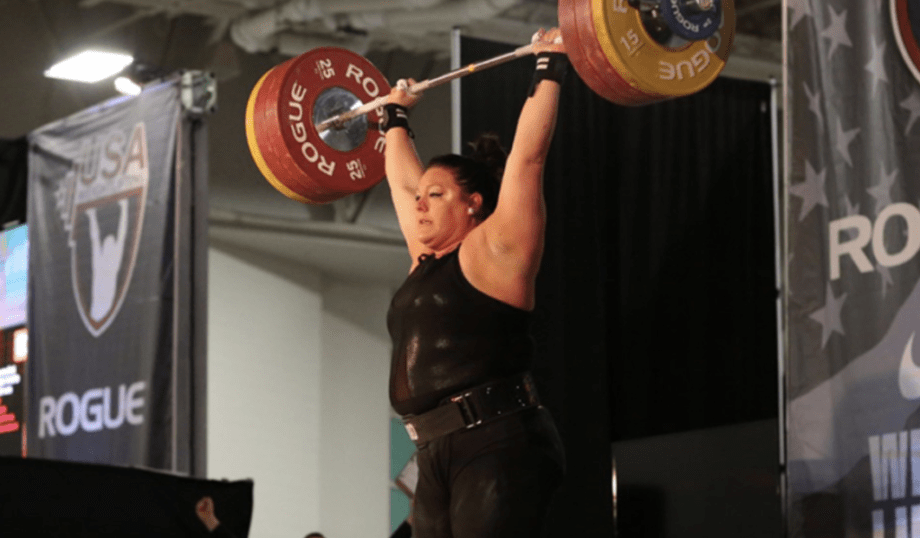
{"x": 912, "y": 105}
{"x": 799, "y": 8}
{"x": 829, "y": 316}
{"x": 849, "y": 207}
{"x": 882, "y": 191}
{"x": 811, "y": 191}
{"x": 876, "y": 65}
{"x": 887, "y": 281}
{"x": 837, "y": 32}
{"x": 814, "y": 104}
{"x": 844, "y": 138}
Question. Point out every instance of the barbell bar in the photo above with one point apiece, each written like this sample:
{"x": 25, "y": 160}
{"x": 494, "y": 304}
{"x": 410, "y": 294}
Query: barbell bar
{"x": 419, "y": 87}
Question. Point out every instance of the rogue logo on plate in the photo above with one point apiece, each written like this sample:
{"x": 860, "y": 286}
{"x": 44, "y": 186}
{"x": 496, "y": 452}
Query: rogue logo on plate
{"x": 905, "y": 18}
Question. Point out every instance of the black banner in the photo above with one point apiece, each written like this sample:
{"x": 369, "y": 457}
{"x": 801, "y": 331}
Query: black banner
{"x": 852, "y": 298}
{"x": 111, "y": 343}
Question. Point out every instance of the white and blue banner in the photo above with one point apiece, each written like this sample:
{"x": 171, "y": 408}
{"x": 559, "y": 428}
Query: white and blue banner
{"x": 853, "y": 270}
{"x": 109, "y": 325}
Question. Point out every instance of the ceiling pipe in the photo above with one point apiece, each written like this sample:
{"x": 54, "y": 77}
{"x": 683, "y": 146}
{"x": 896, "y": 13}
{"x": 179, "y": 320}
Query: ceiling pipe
{"x": 439, "y": 18}
{"x": 257, "y": 33}
{"x": 291, "y": 44}
{"x": 331, "y": 230}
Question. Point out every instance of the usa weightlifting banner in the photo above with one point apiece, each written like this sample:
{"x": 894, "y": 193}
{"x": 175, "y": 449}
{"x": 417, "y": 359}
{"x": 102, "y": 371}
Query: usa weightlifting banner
{"x": 853, "y": 288}
{"x": 111, "y": 361}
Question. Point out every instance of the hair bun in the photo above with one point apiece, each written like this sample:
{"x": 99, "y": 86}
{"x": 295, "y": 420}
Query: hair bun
{"x": 479, "y": 171}
{"x": 488, "y": 150}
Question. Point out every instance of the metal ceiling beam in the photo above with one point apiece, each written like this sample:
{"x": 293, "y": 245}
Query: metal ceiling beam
{"x": 214, "y": 9}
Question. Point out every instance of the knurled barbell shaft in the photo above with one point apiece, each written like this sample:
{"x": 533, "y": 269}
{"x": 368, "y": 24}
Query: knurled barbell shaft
{"x": 520, "y": 52}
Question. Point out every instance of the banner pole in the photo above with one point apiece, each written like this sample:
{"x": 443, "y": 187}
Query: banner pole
{"x": 177, "y": 263}
{"x": 779, "y": 280}
{"x": 781, "y": 173}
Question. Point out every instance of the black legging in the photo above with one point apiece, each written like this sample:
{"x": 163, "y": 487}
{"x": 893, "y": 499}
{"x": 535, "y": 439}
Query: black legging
{"x": 492, "y": 481}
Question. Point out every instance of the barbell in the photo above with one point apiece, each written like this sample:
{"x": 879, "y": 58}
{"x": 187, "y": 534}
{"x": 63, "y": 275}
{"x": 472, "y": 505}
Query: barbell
{"x": 310, "y": 121}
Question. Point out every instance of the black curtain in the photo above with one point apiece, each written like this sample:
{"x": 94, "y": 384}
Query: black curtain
{"x": 656, "y": 304}
{"x": 695, "y": 252}
{"x": 13, "y": 168}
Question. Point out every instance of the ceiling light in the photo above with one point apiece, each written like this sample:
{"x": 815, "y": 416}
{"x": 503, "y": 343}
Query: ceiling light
{"x": 127, "y": 86}
{"x": 89, "y": 66}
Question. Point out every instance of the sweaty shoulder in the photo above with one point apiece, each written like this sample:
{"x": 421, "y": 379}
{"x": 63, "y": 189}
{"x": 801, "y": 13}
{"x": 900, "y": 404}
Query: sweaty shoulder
{"x": 496, "y": 274}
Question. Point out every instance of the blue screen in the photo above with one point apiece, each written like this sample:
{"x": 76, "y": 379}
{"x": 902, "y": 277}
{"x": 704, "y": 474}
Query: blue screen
{"x": 14, "y": 263}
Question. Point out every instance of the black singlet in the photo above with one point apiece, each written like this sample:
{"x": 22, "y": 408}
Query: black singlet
{"x": 449, "y": 336}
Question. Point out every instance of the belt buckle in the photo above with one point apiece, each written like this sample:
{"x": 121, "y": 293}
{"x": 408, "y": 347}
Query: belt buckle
{"x": 469, "y": 413}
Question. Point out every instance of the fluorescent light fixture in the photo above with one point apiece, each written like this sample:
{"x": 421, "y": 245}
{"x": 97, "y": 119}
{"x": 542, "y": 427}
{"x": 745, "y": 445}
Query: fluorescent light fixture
{"x": 127, "y": 86}
{"x": 89, "y": 66}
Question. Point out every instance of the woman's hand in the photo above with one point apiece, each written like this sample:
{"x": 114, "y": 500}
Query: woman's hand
{"x": 400, "y": 94}
{"x": 548, "y": 41}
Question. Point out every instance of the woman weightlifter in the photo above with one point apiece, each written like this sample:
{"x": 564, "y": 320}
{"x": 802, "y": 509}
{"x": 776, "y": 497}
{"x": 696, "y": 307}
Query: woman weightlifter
{"x": 489, "y": 455}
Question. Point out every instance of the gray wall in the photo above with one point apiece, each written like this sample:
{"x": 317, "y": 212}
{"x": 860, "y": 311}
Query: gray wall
{"x": 297, "y": 396}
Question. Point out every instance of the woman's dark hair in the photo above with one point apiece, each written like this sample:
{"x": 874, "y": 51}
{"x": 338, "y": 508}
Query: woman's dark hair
{"x": 479, "y": 171}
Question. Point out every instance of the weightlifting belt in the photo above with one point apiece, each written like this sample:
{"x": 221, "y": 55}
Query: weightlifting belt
{"x": 473, "y": 407}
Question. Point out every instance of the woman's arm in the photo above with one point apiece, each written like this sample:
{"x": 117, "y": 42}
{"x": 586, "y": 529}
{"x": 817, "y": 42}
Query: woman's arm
{"x": 403, "y": 169}
{"x": 514, "y": 232}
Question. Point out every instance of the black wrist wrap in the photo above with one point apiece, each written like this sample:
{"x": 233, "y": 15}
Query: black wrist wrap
{"x": 550, "y": 66}
{"x": 395, "y": 116}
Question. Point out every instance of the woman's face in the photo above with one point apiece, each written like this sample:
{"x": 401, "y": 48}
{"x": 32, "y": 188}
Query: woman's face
{"x": 443, "y": 209}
